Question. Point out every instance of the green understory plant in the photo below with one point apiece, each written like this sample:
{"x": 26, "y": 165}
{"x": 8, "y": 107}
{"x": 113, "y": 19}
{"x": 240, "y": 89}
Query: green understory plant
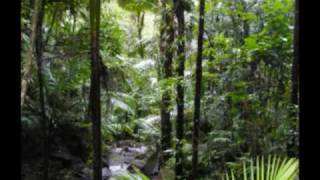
{"x": 277, "y": 168}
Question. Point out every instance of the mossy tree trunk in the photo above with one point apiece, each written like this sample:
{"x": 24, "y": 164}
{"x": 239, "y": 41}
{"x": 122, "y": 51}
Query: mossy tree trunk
{"x": 166, "y": 55}
{"x": 179, "y": 13}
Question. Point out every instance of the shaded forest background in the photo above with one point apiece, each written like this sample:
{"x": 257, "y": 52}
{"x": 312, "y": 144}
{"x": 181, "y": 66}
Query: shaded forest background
{"x": 172, "y": 95}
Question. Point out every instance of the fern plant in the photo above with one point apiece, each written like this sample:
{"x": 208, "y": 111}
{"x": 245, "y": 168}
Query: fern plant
{"x": 275, "y": 169}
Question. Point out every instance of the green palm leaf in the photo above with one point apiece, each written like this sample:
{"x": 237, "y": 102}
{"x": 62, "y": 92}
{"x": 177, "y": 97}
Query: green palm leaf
{"x": 276, "y": 169}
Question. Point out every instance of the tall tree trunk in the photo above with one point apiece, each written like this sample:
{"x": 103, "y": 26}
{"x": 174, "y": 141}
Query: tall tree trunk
{"x": 197, "y": 95}
{"x": 38, "y": 19}
{"x": 295, "y": 64}
{"x": 246, "y": 30}
{"x": 166, "y": 54}
{"x": 252, "y": 144}
{"x": 95, "y": 104}
{"x": 179, "y": 12}
{"x": 31, "y": 53}
{"x": 140, "y": 16}
{"x": 245, "y": 23}
{"x": 295, "y": 76}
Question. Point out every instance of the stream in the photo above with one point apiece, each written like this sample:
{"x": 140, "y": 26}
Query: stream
{"x": 125, "y": 154}
{"x": 120, "y": 159}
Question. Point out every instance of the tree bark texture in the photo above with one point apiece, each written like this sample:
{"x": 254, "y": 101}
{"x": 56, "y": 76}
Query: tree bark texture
{"x": 166, "y": 55}
{"x": 197, "y": 95}
{"x": 295, "y": 79}
{"x": 179, "y": 13}
{"x": 38, "y": 18}
{"x": 26, "y": 76}
{"x": 140, "y": 17}
{"x": 95, "y": 104}
{"x": 295, "y": 64}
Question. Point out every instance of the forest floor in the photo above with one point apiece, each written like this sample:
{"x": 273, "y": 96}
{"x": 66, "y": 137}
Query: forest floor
{"x": 119, "y": 159}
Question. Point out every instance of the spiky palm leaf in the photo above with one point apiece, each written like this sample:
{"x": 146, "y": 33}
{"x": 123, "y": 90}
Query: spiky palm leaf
{"x": 276, "y": 169}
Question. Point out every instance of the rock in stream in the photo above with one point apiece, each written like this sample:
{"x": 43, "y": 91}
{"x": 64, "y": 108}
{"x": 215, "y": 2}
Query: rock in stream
{"x": 126, "y": 154}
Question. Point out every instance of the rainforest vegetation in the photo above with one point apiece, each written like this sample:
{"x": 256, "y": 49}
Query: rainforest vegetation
{"x": 159, "y": 89}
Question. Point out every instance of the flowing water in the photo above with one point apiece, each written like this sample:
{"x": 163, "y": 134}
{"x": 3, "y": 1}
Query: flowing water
{"x": 123, "y": 155}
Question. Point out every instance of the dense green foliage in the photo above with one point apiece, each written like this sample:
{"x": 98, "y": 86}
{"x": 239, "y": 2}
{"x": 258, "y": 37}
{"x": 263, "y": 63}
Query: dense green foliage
{"x": 246, "y": 110}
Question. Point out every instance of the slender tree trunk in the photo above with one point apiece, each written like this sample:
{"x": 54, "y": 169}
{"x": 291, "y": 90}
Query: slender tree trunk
{"x": 246, "y": 30}
{"x": 295, "y": 76}
{"x": 140, "y": 28}
{"x": 245, "y": 23}
{"x": 31, "y": 53}
{"x": 197, "y": 96}
{"x": 166, "y": 54}
{"x": 179, "y": 12}
{"x": 252, "y": 144}
{"x": 53, "y": 20}
{"x": 235, "y": 23}
{"x": 38, "y": 18}
{"x": 95, "y": 104}
{"x": 295, "y": 64}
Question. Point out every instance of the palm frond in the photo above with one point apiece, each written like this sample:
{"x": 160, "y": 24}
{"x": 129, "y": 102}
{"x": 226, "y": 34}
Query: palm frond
{"x": 276, "y": 169}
